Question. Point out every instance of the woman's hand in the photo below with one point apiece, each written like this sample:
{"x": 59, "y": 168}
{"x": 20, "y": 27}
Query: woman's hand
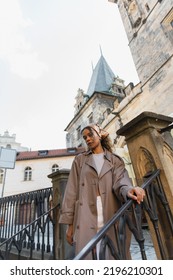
{"x": 137, "y": 194}
{"x": 69, "y": 234}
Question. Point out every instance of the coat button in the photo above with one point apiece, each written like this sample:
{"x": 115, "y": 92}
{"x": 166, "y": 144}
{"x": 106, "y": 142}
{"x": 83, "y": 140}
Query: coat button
{"x": 77, "y": 227}
{"x": 81, "y": 203}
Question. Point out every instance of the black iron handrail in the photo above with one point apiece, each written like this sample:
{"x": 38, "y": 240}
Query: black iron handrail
{"x": 17, "y": 242}
{"x": 23, "y": 216}
{"x": 19, "y": 210}
{"x": 136, "y": 229}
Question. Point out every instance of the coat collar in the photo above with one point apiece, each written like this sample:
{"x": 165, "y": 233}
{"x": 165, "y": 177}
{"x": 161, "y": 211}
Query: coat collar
{"x": 107, "y": 154}
{"x": 107, "y": 163}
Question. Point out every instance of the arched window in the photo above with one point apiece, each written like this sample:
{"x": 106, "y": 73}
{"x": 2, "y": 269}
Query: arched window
{"x": 55, "y": 167}
{"x": 1, "y": 176}
{"x": 28, "y": 174}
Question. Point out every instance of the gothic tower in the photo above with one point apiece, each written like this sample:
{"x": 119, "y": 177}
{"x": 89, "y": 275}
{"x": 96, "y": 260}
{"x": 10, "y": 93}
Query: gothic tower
{"x": 149, "y": 28}
{"x": 104, "y": 90}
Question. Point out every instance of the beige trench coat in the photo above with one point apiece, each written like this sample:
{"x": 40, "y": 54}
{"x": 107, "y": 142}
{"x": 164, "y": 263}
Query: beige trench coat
{"x": 79, "y": 204}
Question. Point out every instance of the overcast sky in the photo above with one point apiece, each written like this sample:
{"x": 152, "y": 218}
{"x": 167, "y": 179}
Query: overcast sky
{"x": 47, "y": 48}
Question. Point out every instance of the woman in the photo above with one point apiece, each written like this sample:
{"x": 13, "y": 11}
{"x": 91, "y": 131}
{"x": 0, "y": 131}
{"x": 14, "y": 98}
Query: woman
{"x": 97, "y": 183}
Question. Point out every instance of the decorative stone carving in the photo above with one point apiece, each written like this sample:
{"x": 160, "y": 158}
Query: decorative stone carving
{"x": 145, "y": 162}
{"x": 133, "y": 11}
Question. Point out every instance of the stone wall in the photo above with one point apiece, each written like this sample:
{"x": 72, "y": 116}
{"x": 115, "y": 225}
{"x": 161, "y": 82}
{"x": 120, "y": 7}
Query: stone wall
{"x": 152, "y": 50}
{"x": 149, "y": 42}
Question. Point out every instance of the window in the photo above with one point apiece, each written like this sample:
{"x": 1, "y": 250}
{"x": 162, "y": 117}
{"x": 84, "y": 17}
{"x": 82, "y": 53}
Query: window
{"x": 1, "y": 176}
{"x": 106, "y": 112}
{"x": 71, "y": 150}
{"x": 78, "y": 132}
{"x": 90, "y": 118}
{"x": 28, "y": 174}
{"x": 43, "y": 152}
{"x": 55, "y": 168}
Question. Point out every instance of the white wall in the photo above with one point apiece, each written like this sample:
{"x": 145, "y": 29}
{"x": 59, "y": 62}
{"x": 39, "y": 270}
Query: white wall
{"x": 41, "y": 168}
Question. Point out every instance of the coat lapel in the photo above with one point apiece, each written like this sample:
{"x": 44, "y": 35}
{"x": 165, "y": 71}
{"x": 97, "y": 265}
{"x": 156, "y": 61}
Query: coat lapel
{"x": 107, "y": 166}
{"x": 90, "y": 161}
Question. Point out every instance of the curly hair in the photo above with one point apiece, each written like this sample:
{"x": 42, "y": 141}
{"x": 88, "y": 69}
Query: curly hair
{"x": 107, "y": 143}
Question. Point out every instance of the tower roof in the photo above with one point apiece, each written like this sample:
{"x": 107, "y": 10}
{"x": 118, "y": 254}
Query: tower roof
{"x": 101, "y": 78}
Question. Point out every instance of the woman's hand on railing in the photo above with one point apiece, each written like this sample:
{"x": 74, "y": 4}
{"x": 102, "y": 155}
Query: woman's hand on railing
{"x": 137, "y": 194}
{"x": 69, "y": 234}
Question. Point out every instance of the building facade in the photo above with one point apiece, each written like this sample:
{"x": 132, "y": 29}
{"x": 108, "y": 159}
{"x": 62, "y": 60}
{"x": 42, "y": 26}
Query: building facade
{"x": 33, "y": 167}
{"x": 149, "y": 28}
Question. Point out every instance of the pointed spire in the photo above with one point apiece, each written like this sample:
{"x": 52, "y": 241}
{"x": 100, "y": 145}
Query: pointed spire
{"x": 102, "y": 77}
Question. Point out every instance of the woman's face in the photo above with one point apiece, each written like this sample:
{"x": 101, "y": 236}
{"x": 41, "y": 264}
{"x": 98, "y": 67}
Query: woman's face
{"x": 91, "y": 138}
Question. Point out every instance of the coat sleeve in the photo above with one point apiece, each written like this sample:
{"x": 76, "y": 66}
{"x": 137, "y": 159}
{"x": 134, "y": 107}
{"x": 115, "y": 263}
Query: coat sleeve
{"x": 121, "y": 181}
{"x": 70, "y": 195}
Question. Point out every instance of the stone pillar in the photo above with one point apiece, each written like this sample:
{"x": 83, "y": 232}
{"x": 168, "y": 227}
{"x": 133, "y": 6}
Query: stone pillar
{"x": 149, "y": 150}
{"x": 59, "y": 181}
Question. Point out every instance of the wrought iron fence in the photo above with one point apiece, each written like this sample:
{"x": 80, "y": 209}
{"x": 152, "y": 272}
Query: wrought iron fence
{"x": 130, "y": 217}
{"x": 27, "y": 225}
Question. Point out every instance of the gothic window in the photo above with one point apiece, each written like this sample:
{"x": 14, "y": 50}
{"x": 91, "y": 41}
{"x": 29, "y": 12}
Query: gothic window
{"x": 28, "y": 174}
{"x": 90, "y": 118}
{"x": 78, "y": 132}
{"x": 1, "y": 176}
{"x": 55, "y": 167}
{"x": 106, "y": 112}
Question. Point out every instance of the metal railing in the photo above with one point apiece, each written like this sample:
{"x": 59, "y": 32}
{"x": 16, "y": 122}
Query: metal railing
{"x": 27, "y": 226}
{"x": 130, "y": 216}
{"x": 34, "y": 241}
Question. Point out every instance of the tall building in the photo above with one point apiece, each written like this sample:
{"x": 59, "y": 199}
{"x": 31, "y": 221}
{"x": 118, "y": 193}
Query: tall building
{"x": 149, "y": 28}
{"x": 104, "y": 91}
